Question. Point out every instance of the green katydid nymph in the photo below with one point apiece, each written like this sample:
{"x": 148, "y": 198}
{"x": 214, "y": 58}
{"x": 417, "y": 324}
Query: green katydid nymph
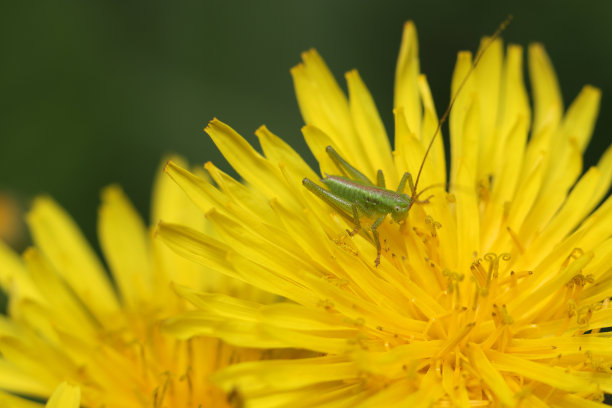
{"x": 355, "y": 196}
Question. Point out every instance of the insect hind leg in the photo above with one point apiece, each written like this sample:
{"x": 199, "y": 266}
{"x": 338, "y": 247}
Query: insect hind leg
{"x": 346, "y": 168}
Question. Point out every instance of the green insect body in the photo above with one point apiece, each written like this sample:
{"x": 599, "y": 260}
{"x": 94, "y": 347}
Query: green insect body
{"x": 358, "y": 197}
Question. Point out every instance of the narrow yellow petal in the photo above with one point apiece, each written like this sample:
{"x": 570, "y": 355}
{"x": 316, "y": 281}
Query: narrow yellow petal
{"x": 409, "y": 151}
{"x": 394, "y": 394}
{"x": 125, "y": 242}
{"x": 430, "y": 390}
{"x": 14, "y": 277}
{"x": 437, "y": 172}
{"x": 370, "y": 129}
{"x": 248, "y": 204}
{"x": 255, "y": 169}
{"x": 65, "y": 396}
{"x": 324, "y": 105}
{"x": 317, "y": 140}
{"x": 15, "y": 379}
{"x": 544, "y": 285}
{"x": 490, "y": 375}
{"x": 60, "y": 304}
{"x": 329, "y": 395}
{"x": 199, "y": 190}
{"x": 605, "y": 169}
{"x": 526, "y": 193}
{"x": 505, "y": 185}
{"x": 548, "y": 104}
{"x": 464, "y": 103}
{"x": 406, "y": 89}
{"x": 214, "y": 254}
{"x": 285, "y": 374}
{"x": 563, "y": 379}
{"x": 567, "y": 218}
{"x": 579, "y": 120}
{"x": 551, "y": 347}
{"x": 488, "y": 75}
{"x": 279, "y": 152}
{"x": 468, "y": 240}
{"x": 556, "y": 182}
{"x": 238, "y": 333}
{"x": 170, "y": 203}
{"x": 61, "y": 241}
{"x": 574, "y": 401}
{"x": 11, "y": 401}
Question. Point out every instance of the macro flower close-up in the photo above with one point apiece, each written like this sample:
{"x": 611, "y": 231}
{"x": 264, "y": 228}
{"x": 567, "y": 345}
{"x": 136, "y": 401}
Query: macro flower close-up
{"x": 97, "y": 341}
{"x": 493, "y": 287}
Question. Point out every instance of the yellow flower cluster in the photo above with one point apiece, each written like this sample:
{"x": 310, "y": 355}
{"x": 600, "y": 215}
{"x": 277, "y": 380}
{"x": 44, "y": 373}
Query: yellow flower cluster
{"x": 493, "y": 292}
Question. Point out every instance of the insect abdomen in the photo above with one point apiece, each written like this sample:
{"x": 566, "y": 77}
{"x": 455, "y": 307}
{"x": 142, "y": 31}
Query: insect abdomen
{"x": 370, "y": 199}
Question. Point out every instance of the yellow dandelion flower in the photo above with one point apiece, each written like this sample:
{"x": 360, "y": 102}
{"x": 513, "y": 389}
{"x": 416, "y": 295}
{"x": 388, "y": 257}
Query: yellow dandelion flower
{"x": 492, "y": 293}
{"x": 97, "y": 341}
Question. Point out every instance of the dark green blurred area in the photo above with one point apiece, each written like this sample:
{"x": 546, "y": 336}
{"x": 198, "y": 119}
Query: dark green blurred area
{"x": 97, "y": 92}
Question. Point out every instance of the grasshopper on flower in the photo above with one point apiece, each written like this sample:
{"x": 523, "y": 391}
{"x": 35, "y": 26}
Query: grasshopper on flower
{"x": 354, "y": 195}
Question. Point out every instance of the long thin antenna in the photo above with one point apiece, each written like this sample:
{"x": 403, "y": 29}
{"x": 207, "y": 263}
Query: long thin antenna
{"x": 444, "y": 117}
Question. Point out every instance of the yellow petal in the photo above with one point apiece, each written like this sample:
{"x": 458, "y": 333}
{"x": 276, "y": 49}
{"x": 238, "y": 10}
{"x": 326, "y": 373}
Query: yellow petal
{"x": 370, "y": 129}
{"x": 125, "y": 242}
{"x": 409, "y": 151}
{"x": 8, "y": 400}
{"x": 219, "y": 256}
{"x": 199, "y": 190}
{"x": 579, "y": 120}
{"x": 61, "y": 309}
{"x": 170, "y": 203}
{"x": 279, "y": 152}
{"x": 437, "y": 172}
{"x": 406, "y": 74}
{"x": 324, "y": 105}
{"x": 514, "y": 106}
{"x": 490, "y": 375}
{"x": 65, "y": 396}
{"x": 488, "y": 75}
{"x": 15, "y": 379}
{"x": 574, "y": 401}
{"x": 464, "y": 103}
{"x": 255, "y": 169}
{"x": 14, "y": 277}
{"x": 563, "y": 379}
{"x": 285, "y": 374}
{"x": 548, "y": 104}
{"x": 61, "y": 241}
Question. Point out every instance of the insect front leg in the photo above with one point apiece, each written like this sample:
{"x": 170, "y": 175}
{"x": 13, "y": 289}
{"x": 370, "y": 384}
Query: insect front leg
{"x": 407, "y": 177}
{"x": 380, "y": 179}
{"x": 376, "y": 239}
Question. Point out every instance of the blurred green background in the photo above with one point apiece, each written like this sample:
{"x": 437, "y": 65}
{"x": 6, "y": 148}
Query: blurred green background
{"x": 96, "y": 92}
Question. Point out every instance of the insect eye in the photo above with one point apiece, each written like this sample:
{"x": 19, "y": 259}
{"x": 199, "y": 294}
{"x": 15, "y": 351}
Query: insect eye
{"x": 397, "y": 208}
